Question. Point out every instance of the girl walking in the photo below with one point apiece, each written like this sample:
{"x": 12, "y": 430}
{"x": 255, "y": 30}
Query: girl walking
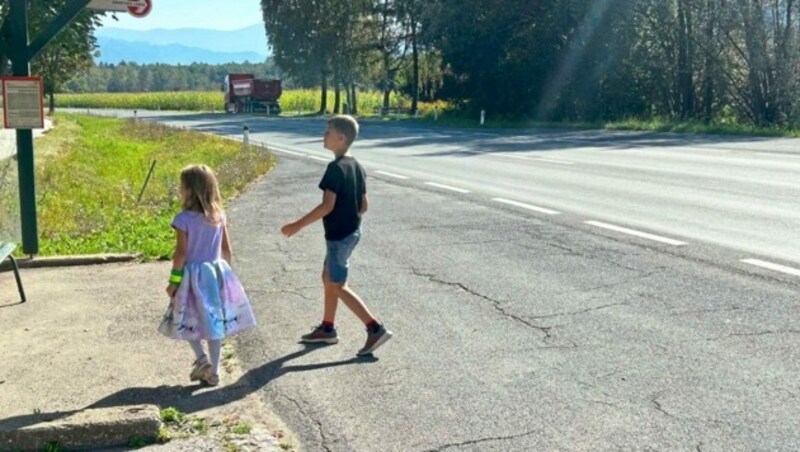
{"x": 207, "y": 301}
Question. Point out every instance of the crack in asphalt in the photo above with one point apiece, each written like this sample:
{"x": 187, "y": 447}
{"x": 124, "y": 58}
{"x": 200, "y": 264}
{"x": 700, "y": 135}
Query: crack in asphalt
{"x": 658, "y": 407}
{"x": 582, "y": 311}
{"x": 757, "y": 333}
{"x": 715, "y": 310}
{"x": 316, "y": 422}
{"x": 496, "y": 304}
{"x": 590, "y": 253}
{"x": 614, "y": 285}
{"x": 480, "y": 440}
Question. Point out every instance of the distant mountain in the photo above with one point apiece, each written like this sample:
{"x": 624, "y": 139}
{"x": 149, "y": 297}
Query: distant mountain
{"x": 184, "y": 45}
{"x": 114, "y": 51}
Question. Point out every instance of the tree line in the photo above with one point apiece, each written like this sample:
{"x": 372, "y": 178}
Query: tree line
{"x": 70, "y": 53}
{"x": 132, "y": 77}
{"x": 577, "y": 60}
{"x": 586, "y": 60}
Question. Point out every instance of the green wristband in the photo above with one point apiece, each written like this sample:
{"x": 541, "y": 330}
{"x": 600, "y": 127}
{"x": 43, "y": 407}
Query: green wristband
{"x": 175, "y": 277}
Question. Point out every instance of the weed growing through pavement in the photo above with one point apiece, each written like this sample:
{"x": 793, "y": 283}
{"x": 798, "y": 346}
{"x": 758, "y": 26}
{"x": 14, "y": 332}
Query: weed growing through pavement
{"x": 172, "y": 415}
{"x": 242, "y": 428}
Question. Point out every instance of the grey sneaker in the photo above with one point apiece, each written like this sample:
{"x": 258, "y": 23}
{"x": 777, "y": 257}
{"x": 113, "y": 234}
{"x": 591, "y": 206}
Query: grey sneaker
{"x": 321, "y": 335}
{"x": 375, "y": 338}
{"x": 199, "y": 369}
{"x": 209, "y": 378}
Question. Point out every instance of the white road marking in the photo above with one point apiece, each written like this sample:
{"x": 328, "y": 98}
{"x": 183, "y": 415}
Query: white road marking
{"x": 560, "y": 162}
{"x": 286, "y": 151}
{"x": 643, "y": 235}
{"x": 771, "y": 266}
{"x": 396, "y": 176}
{"x": 320, "y": 159}
{"x": 778, "y": 154}
{"x": 446, "y": 187}
{"x": 526, "y": 206}
{"x": 526, "y": 157}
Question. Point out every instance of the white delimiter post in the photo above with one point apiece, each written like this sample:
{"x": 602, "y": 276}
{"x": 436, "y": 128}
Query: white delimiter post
{"x": 246, "y": 137}
{"x": 483, "y": 116}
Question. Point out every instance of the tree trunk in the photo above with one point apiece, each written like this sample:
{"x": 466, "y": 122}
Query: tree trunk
{"x": 708, "y": 84}
{"x": 353, "y": 99}
{"x": 323, "y": 108}
{"x": 52, "y": 100}
{"x": 757, "y": 62}
{"x": 685, "y": 70}
{"x": 348, "y": 100}
{"x": 785, "y": 46}
{"x": 415, "y": 55}
{"x": 337, "y": 98}
{"x": 386, "y": 99}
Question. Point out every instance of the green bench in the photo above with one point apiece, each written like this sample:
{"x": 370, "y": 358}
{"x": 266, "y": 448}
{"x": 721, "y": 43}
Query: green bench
{"x": 6, "y": 250}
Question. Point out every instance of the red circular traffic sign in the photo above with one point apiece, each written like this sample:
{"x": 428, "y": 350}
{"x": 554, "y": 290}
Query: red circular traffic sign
{"x": 143, "y": 11}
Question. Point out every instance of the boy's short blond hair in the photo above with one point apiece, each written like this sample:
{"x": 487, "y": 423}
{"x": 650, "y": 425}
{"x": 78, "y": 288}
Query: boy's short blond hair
{"x": 346, "y": 125}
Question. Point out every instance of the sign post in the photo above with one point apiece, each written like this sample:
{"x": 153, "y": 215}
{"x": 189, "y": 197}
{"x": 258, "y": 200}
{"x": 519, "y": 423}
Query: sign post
{"x": 22, "y": 103}
{"x": 19, "y": 108}
{"x": 136, "y": 8}
{"x": 20, "y": 61}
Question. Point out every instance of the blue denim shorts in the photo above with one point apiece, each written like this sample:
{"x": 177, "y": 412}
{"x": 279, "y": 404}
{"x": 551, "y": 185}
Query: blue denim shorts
{"x": 337, "y": 259}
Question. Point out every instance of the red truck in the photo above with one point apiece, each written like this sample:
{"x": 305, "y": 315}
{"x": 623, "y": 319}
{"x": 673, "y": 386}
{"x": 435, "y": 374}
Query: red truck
{"x": 245, "y": 94}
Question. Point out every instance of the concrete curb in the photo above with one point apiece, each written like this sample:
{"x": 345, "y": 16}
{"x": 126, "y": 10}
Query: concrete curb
{"x": 93, "y": 428}
{"x": 67, "y": 261}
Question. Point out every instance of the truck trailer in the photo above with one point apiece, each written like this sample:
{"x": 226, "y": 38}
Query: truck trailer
{"x": 246, "y": 94}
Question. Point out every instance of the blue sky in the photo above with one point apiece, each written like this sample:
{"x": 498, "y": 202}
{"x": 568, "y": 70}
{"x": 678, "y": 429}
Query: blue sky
{"x": 213, "y": 14}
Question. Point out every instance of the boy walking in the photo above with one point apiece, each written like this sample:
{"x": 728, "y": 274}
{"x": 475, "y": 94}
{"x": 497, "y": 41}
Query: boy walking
{"x": 344, "y": 202}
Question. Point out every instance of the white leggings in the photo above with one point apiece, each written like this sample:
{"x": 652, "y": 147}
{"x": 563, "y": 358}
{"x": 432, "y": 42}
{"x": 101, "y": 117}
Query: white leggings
{"x": 214, "y": 351}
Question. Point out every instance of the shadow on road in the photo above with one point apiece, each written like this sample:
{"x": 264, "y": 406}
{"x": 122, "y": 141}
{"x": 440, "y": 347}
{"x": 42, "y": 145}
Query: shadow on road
{"x": 184, "y": 397}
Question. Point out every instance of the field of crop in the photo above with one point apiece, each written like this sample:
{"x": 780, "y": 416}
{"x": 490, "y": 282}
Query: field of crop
{"x": 192, "y": 101}
{"x": 292, "y": 101}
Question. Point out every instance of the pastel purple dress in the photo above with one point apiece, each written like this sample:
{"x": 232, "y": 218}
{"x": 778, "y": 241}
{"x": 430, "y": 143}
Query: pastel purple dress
{"x": 210, "y": 302}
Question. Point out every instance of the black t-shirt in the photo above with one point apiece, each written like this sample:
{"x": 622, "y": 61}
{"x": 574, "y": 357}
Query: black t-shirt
{"x": 347, "y": 178}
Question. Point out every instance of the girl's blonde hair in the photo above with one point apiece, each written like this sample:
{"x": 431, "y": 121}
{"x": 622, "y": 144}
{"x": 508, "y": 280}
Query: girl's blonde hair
{"x": 201, "y": 192}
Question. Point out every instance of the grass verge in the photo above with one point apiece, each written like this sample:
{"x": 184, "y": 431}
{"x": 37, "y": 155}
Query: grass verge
{"x": 698, "y": 127}
{"x": 91, "y": 170}
{"x": 454, "y": 118}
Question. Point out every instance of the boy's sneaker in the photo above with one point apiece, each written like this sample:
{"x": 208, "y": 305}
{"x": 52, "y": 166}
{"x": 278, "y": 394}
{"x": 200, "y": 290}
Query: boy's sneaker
{"x": 321, "y": 335}
{"x": 376, "y": 337}
{"x": 199, "y": 369}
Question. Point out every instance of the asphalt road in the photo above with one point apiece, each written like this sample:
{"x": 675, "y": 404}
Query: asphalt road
{"x": 619, "y": 302}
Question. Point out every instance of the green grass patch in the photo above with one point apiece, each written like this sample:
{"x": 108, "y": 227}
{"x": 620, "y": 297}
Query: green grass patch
{"x": 89, "y": 182}
{"x": 172, "y": 415}
{"x": 165, "y": 435}
{"x": 454, "y": 118}
{"x": 53, "y": 446}
{"x": 699, "y": 127}
{"x": 137, "y": 442}
{"x": 242, "y": 428}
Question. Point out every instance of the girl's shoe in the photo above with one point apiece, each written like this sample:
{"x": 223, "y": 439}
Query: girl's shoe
{"x": 209, "y": 378}
{"x": 199, "y": 368}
